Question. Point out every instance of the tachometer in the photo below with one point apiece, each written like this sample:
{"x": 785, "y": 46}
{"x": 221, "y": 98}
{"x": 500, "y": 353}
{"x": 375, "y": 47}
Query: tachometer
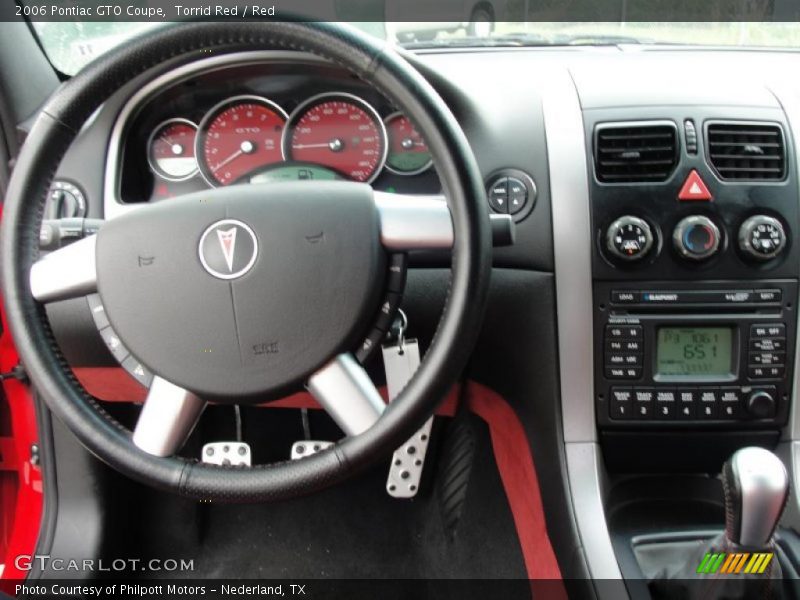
{"x": 170, "y": 150}
{"x": 408, "y": 152}
{"x": 238, "y": 136}
{"x": 339, "y": 131}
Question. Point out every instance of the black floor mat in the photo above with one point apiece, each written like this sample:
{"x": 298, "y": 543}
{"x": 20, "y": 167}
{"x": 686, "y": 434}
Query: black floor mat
{"x": 354, "y": 530}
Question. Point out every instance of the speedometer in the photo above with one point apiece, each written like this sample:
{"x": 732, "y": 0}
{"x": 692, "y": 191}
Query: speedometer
{"x": 238, "y": 136}
{"x": 339, "y": 131}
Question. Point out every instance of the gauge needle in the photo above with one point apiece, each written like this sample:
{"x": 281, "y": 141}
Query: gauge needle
{"x": 233, "y": 156}
{"x": 335, "y": 145}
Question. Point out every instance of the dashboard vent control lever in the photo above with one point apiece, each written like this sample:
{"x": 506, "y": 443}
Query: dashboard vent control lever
{"x": 56, "y": 233}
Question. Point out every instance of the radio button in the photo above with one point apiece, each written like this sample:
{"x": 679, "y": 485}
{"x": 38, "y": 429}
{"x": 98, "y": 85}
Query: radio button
{"x": 626, "y": 360}
{"x": 625, "y": 332}
{"x": 621, "y": 405}
{"x": 769, "y": 330}
{"x": 766, "y": 371}
{"x": 768, "y": 344}
{"x": 761, "y": 404}
{"x": 644, "y": 403}
{"x": 767, "y": 358}
{"x": 687, "y": 403}
{"x": 623, "y": 372}
{"x": 624, "y": 346}
{"x": 730, "y": 403}
{"x": 665, "y": 404}
{"x": 625, "y": 297}
{"x": 709, "y": 403}
{"x": 769, "y": 295}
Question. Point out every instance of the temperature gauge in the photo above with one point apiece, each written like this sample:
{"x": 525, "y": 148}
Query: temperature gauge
{"x": 408, "y": 152}
{"x": 170, "y": 150}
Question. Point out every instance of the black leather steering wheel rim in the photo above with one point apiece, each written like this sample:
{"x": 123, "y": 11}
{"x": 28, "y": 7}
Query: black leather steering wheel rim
{"x": 58, "y": 124}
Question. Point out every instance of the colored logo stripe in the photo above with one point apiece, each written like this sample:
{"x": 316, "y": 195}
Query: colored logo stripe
{"x": 727, "y": 564}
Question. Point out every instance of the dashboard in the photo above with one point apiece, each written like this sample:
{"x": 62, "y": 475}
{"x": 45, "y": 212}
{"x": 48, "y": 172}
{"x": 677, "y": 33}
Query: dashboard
{"x": 251, "y": 123}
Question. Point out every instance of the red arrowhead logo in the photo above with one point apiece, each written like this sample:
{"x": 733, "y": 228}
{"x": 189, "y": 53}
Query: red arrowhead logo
{"x": 694, "y": 188}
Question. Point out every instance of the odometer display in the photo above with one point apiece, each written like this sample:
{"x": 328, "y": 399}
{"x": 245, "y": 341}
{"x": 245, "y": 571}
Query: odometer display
{"x": 239, "y": 136}
{"x": 338, "y": 131}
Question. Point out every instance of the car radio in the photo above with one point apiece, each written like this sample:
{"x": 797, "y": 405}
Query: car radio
{"x": 678, "y": 354}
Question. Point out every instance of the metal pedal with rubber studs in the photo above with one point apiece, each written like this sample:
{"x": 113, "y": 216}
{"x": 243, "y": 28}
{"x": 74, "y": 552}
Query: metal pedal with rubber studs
{"x": 228, "y": 453}
{"x": 305, "y": 448}
{"x": 407, "y": 464}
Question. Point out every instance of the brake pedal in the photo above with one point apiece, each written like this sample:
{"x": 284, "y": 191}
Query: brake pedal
{"x": 305, "y": 448}
{"x": 236, "y": 454}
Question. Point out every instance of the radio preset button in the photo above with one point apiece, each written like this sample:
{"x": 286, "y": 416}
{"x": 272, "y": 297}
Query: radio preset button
{"x": 665, "y": 404}
{"x": 709, "y": 403}
{"x": 687, "y": 403}
{"x": 621, "y": 405}
{"x": 730, "y": 403}
{"x": 644, "y": 403}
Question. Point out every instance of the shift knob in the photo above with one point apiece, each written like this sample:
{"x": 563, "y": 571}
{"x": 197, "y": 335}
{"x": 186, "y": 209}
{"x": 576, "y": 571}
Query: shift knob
{"x": 756, "y": 488}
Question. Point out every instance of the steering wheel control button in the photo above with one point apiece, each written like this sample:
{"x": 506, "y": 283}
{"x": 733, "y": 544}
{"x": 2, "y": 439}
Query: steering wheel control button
{"x": 696, "y": 237}
{"x": 114, "y": 344}
{"x": 138, "y": 371}
{"x": 98, "y": 311}
{"x": 762, "y": 237}
{"x": 629, "y": 238}
{"x": 694, "y": 189}
{"x": 235, "y": 454}
{"x": 228, "y": 249}
{"x": 396, "y": 280}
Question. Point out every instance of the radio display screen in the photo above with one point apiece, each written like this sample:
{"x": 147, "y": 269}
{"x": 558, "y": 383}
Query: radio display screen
{"x": 694, "y": 353}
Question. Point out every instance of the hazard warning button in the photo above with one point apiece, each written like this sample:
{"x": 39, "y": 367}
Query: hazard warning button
{"x": 694, "y": 188}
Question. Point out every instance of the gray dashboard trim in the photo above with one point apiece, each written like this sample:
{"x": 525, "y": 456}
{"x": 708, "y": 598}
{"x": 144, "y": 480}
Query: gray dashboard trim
{"x": 572, "y": 239}
{"x": 112, "y": 206}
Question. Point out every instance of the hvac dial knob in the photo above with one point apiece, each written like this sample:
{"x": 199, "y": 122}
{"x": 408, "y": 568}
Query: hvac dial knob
{"x": 762, "y": 237}
{"x": 629, "y": 238}
{"x": 696, "y": 237}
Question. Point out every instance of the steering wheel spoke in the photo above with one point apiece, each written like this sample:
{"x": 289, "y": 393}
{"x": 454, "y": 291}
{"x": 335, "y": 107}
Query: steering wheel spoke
{"x": 68, "y": 272}
{"x": 167, "y": 419}
{"x": 347, "y": 394}
{"x": 414, "y": 222}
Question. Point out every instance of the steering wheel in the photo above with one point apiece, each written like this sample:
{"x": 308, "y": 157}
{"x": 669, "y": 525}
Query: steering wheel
{"x": 195, "y": 287}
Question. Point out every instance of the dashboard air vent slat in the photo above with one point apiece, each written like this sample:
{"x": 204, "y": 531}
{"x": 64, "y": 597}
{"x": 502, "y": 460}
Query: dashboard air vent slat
{"x": 635, "y": 152}
{"x": 747, "y": 151}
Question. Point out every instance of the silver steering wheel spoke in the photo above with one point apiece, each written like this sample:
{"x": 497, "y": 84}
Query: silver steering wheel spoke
{"x": 68, "y": 272}
{"x": 347, "y": 394}
{"x": 168, "y": 417}
{"x": 414, "y": 222}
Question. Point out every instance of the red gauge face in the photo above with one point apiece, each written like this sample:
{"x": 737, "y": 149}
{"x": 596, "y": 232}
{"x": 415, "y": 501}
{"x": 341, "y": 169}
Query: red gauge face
{"x": 238, "y": 137}
{"x": 171, "y": 150}
{"x": 338, "y": 132}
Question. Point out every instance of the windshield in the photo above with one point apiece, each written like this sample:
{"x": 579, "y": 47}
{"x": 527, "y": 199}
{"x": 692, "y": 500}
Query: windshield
{"x": 71, "y": 45}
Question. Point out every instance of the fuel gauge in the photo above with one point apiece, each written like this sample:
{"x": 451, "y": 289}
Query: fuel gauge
{"x": 170, "y": 150}
{"x": 408, "y": 152}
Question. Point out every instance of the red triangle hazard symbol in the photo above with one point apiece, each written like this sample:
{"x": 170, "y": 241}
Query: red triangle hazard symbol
{"x": 694, "y": 188}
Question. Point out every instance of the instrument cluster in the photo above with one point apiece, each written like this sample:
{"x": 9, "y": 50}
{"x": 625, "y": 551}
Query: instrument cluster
{"x": 252, "y": 138}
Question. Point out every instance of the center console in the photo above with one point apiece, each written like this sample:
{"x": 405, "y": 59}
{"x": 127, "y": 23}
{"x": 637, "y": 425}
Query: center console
{"x": 693, "y": 282}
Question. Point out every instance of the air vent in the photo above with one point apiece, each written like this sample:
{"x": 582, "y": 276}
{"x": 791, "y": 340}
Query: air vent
{"x": 635, "y": 152}
{"x": 747, "y": 151}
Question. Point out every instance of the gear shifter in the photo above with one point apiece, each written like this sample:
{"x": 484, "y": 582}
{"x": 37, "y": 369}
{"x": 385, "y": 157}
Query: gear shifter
{"x": 756, "y": 488}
